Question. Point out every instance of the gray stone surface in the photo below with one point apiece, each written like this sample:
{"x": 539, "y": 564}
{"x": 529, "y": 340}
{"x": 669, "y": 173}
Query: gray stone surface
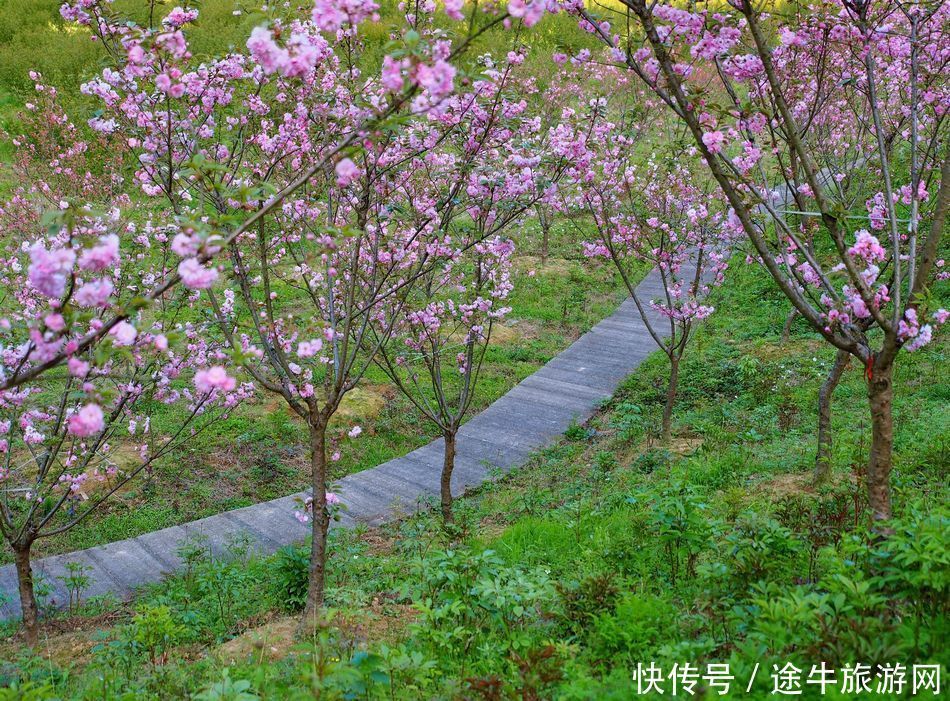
{"x": 530, "y": 416}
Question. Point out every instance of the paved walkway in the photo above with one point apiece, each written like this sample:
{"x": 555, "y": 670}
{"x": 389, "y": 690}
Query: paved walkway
{"x": 533, "y": 414}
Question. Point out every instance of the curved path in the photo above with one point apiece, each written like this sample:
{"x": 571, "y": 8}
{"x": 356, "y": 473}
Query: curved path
{"x": 533, "y": 414}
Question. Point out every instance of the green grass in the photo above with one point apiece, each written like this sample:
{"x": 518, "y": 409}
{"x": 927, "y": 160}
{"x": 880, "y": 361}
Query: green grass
{"x": 605, "y": 550}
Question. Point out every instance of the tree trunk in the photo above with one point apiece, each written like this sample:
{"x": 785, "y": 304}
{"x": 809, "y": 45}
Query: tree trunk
{"x": 545, "y": 235}
{"x": 670, "y": 399}
{"x": 789, "y": 320}
{"x": 880, "y": 399}
{"x": 320, "y": 524}
{"x": 24, "y": 573}
{"x": 823, "y": 457}
{"x": 448, "y": 465}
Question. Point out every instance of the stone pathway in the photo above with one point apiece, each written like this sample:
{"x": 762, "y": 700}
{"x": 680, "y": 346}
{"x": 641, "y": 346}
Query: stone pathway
{"x": 533, "y": 414}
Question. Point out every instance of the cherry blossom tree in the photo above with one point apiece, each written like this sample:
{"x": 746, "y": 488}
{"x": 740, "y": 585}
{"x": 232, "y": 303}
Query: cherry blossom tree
{"x": 501, "y": 161}
{"x": 158, "y": 52}
{"x": 647, "y": 208}
{"x": 438, "y": 345}
{"x": 144, "y": 88}
{"x": 319, "y": 153}
{"x": 73, "y": 437}
{"x": 655, "y": 214}
{"x": 880, "y": 110}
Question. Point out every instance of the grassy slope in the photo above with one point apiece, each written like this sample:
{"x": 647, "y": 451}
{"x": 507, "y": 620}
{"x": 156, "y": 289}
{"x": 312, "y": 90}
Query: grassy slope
{"x": 603, "y": 552}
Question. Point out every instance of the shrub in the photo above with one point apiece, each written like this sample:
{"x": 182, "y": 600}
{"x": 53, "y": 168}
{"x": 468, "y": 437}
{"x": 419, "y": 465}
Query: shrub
{"x": 628, "y": 420}
{"x": 818, "y": 521}
{"x": 680, "y": 523}
{"x": 620, "y": 542}
{"x": 228, "y": 690}
{"x": 721, "y": 469}
{"x": 292, "y": 577}
{"x": 584, "y": 600}
{"x": 913, "y": 564}
{"x": 638, "y": 624}
{"x": 845, "y": 623}
{"x": 606, "y": 461}
{"x": 756, "y": 549}
{"x": 576, "y": 432}
{"x": 652, "y": 460}
{"x": 154, "y": 629}
{"x": 472, "y": 600}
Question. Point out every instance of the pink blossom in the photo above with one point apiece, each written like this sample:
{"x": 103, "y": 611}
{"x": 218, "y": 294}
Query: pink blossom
{"x": 215, "y": 377}
{"x": 453, "y": 8}
{"x": 714, "y": 140}
{"x": 438, "y": 79}
{"x": 77, "y": 368}
{"x": 877, "y": 211}
{"x": 102, "y": 255}
{"x": 94, "y": 294}
{"x": 856, "y": 303}
{"x": 347, "y": 172}
{"x": 49, "y": 270}
{"x": 185, "y": 245}
{"x": 123, "y": 334}
{"x": 907, "y": 193}
{"x": 308, "y": 349}
{"x": 196, "y": 276}
{"x": 331, "y": 15}
{"x": 296, "y": 60}
{"x": 867, "y": 246}
{"x": 304, "y": 515}
{"x": 174, "y": 43}
{"x": 909, "y": 326}
{"x": 392, "y": 78}
{"x": 744, "y": 67}
{"x": 921, "y": 339}
{"x": 749, "y": 158}
{"x": 265, "y": 50}
{"x": 528, "y": 12}
{"x": 712, "y": 45}
{"x": 87, "y": 421}
{"x": 55, "y": 322}
{"x": 789, "y": 38}
{"x": 163, "y": 82}
{"x": 354, "y": 432}
{"x": 179, "y": 17}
